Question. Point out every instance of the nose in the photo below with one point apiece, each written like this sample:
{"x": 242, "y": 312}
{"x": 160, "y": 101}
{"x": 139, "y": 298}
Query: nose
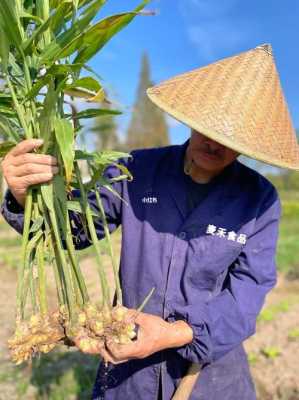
{"x": 213, "y": 145}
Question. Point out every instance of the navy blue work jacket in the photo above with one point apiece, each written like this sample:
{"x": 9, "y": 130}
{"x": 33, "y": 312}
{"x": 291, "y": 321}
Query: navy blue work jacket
{"x": 211, "y": 268}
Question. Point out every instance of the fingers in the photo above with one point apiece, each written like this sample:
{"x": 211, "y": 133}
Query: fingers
{"x": 96, "y": 347}
{"x": 121, "y": 352}
{"x": 108, "y": 357}
{"x": 33, "y": 158}
{"x": 22, "y": 169}
{"x": 131, "y": 316}
{"x": 31, "y": 169}
{"x": 19, "y": 185}
{"x": 35, "y": 179}
{"x": 26, "y": 146}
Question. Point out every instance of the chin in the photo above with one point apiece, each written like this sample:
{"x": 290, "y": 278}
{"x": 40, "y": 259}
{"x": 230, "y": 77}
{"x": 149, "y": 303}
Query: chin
{"x": 208, "y": 165}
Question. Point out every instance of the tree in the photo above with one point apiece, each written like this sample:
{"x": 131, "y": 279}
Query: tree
{"x": 148, "y": 126}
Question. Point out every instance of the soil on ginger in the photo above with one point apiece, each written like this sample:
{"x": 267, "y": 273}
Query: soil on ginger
{"x": 67, "y": 374}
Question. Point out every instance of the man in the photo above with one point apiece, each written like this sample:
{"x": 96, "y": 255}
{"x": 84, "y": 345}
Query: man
{"x": 199, "y": 226}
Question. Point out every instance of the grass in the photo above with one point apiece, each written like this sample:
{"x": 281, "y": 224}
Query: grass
{"x": 271, "y": 352}
{"x": 270, "y": 313}
{"x": 288, "y": 243}
{"x": 59, "y": 375}
{"x": 253, "y": 358}
{"x": 293, "y": 334}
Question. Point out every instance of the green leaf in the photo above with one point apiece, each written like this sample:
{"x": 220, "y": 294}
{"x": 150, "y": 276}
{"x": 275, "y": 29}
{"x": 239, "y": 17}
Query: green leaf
{"x": 29, "y": 45}
{"x": 94, "y": 112}
{"x": 10, "y": 22}
{"x": 60, "y": 195}
{"x": 98, "y": 98}
{"x": 7, "y": 131}
{"x": 47, "y": 116}
{"x": 37, "y": 224}
{"x": 79, "y": 92}
{"x": 53, "y": 72}
{"x": 64, "y": 133}
{"x": 65, "y": 43}
{"x": 5, "y": 99}
{"x": 73, "y": 205}
{"x": 4, "y": 50}
{"x": 31, "y": 17}
{"x": 76, "y": 4}
{"x": 88, "y": 83}
{"x": 48, "y": 195}
{"x": 55, "y": 22}
{"x": 37, "y": 87}
{"x": 98, "y": 35}
{"x": 83, "y": 155}
{"x": 87, "y": 88}
{"x": 7, "y": 111}
{"x": 16, "y": 71}
{"x": 107, "y": 185}
{"x": 5, "y": 147}
{"x": 61, "y": 69}
{"x": 81, "y": 3}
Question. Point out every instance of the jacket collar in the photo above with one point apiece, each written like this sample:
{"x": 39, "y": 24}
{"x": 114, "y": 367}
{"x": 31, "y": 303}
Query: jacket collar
{"x": 224, "y": 190}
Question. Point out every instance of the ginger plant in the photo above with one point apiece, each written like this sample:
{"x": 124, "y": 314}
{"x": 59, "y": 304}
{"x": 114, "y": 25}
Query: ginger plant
{"x": 44, "y": 50}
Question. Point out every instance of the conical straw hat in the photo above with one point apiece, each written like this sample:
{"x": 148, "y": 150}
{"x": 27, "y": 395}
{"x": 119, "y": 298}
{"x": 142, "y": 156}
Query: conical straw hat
{"x": 237, "y": 102}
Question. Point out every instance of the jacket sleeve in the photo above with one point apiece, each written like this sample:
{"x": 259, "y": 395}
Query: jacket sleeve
{"x": 226, "y": 320}
{"x": 14, "y": 213}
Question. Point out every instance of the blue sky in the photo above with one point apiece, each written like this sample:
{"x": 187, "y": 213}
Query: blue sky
{"x": 187, "y": 34}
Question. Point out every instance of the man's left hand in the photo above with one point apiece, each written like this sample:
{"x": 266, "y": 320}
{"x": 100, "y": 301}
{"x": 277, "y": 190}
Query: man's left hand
{"x": 154, "y": 334}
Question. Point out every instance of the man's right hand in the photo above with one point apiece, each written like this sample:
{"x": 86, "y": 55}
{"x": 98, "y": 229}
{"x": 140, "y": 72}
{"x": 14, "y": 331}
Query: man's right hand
{"x": 22, "y": 168}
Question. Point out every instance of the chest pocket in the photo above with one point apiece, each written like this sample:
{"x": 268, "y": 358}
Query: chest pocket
{"x": 208, "y": 257}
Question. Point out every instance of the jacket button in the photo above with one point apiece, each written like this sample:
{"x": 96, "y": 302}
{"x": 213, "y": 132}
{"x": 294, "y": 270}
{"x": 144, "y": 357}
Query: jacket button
{"x": 182, "y": 235}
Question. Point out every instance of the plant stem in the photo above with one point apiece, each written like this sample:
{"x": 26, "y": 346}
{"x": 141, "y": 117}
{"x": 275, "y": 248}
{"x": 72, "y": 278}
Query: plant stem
{"x": 57, "y": 275}
{"x": 21, "y": 270}
{"x": 41, "y": 278}
{"x": 94, "y": 238}
{"x": 67, "y": 279}
{"x": 41, "y": 268}
{"x": 18, "y": 108}
{"x": 75, "y": 264}
{"x": 28, "y": 277}
{"x": 141, "y": 307}
{"x": 78, "y": 280}
{"x": 108, "y": 237}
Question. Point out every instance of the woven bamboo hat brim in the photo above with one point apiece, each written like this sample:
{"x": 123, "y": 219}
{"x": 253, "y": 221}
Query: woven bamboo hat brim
{"x": 237, "y": 102}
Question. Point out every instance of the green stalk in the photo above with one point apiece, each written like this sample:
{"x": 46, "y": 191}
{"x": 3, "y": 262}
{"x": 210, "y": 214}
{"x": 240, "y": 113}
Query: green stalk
{"x": 32, "y": 284}
{"x": 62, "y": 231}
{"x": 67, "y": 279}
{"x": 18, "y": 108}
{"x": 32, "y": 109}
{"x": 94, "y": 238}
{"x": 43, "y": 11}
{"x": 108, "y": 237}
{"x": 75, "y": 264}
{"x": 28, "y": 276}
{"x": 42, "y": 291}
{"x": 57, "y": 275}
{"x": 78, "y": 280}
{"x": 41, "y": 268}
{"x": 25, "y": 238}
{"x": 145, "y": 301}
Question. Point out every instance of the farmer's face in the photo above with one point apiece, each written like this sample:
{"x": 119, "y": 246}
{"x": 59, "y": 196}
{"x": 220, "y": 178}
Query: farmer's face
{"x": 209, "y": 155}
